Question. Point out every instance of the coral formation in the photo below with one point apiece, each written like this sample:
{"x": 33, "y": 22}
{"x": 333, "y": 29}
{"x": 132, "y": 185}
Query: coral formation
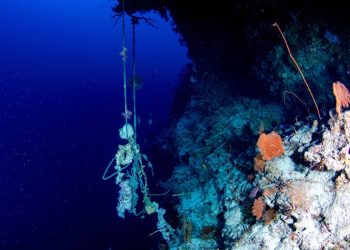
{"x": 342, "y": 96}
{"x": 210, "y": 181}
{"x": 308, "y": 208}
{"x": 332, "y": 153}
{"x": 295, "y": 198}
{"x": 270, "y": 145}
{"x": 258, "y": 208}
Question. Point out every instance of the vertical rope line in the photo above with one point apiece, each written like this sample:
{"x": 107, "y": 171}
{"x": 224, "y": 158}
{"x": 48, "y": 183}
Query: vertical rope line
{"x": 134, "y": 73}
{"x": 124, "y": 55}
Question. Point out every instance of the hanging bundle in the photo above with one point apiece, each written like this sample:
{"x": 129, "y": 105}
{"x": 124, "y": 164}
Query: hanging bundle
{"x": 129, "y": 163}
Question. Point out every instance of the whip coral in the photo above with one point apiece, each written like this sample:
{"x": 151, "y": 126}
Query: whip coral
{"x": 297, "y": 65}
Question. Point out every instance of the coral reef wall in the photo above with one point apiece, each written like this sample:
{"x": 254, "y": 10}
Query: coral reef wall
{"x": 297, "y": 199}
{"x": 215, "y": 145}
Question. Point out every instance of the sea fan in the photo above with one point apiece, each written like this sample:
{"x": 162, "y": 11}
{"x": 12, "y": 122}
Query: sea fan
{"x": 342, "y": 96}
{"x": 258, "y": 208}
{"x": 270, "y": 145}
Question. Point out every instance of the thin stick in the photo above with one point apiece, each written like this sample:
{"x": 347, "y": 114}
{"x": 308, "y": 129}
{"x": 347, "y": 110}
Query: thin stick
{"x": 296, "y": 64}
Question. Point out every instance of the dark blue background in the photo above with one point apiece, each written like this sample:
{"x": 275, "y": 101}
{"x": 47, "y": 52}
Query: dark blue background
{"x": 60, "y": 105}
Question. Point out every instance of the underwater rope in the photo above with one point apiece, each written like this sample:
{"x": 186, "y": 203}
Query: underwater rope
{"x": 130, "y": 163}
{"x": 134, "y": 21}
{"x": 111, "y": 175}
{"x": 104, "y": 177}
{"x": 124, "y": 56}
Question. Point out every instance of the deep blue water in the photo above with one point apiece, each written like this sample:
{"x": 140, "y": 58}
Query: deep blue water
{"x": 60, "y": 105}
